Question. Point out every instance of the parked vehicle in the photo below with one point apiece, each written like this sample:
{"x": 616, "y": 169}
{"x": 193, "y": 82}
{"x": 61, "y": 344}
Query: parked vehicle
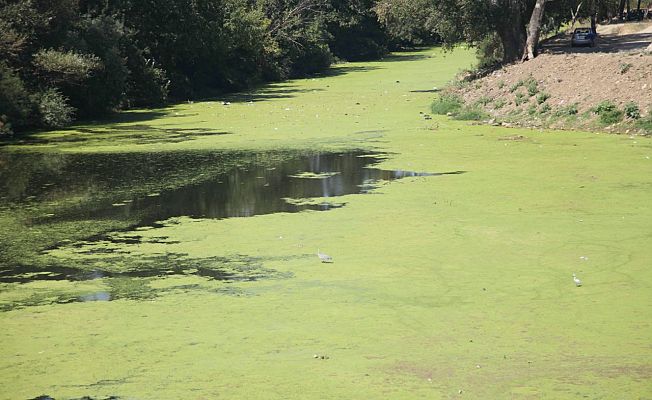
{"x": 583, "y": 37}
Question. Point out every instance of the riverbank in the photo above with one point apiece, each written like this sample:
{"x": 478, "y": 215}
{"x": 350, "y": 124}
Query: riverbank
{"x": 442, "y": 286}
{"x": 603, "y": 88}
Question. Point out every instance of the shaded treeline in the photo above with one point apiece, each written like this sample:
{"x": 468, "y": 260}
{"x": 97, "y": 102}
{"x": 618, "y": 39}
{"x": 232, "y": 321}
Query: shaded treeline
{"x": 68, "y": 59}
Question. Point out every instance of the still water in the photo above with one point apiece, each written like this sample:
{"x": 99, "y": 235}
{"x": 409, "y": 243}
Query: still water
{"x": 136, "y": 190}
{"x": 157, "y": 186}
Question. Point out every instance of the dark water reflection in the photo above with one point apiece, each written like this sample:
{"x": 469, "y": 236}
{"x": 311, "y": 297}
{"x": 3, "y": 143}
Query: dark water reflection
{"x": 131, "y": 190}
{"x": 155, "y": 186}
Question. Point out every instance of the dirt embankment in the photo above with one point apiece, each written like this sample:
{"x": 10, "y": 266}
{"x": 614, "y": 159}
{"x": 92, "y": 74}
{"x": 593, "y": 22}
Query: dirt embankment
{"x": 567, "y": 81}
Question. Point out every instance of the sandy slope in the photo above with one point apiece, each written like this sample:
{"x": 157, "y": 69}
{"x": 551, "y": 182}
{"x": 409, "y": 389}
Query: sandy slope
{"x": 618, "y": 68}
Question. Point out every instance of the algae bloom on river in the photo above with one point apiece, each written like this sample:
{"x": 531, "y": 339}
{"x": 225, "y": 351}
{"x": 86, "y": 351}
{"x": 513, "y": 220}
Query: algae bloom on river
{"x": 150, "y": 258}
{"x": 135, "y": 190}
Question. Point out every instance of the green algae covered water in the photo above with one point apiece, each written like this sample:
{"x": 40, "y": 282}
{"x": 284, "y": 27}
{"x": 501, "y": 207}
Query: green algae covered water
{"x": 171, "y": 253}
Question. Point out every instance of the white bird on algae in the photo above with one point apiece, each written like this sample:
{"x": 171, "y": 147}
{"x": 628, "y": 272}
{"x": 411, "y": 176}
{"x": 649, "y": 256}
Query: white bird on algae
{"x": 325, "y": 258}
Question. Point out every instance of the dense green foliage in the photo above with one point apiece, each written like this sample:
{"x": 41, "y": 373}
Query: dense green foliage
{"x": 608, "y": 112}
{"x": 84, "y": 58}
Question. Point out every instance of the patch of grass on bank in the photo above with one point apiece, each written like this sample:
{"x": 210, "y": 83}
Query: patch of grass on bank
{"x": 447, "y": 103}
{"x": 500, "y": 103}
{"x": 567, "y": 111}
{"x": 471, "y": 113}
{"x": 608, "y": 112}
{"x": 453, "y": 105}
{"x": 542, "y": 97}
{"x": 632, "y": 111}
{"x": 645, "y": 123}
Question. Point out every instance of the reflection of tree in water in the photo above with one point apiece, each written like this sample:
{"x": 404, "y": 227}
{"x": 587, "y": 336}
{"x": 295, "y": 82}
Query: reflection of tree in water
{"x": 156, "y": 186}
{"x": 65, "y": 198}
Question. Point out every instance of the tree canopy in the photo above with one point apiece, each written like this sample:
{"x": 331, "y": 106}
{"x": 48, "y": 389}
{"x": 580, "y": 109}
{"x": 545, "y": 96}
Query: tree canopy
{"x": 67, "y": 59}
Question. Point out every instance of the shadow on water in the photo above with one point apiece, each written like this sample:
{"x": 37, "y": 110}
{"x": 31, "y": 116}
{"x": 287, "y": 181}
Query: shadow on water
{"x": 93, "y": 126}
{"x": 144, "y": 189}
{"x": 47, "y": 397}
{"x": 398, "y": 57}
{"x": 131, "y": 275}
{"x": 268, "y": 92}
{"x": 237, "y": 268}
{"x": 131, "y": 134}
{"x": 346, "y": 69}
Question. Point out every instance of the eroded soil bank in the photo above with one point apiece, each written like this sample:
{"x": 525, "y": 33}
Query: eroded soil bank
{"x": 442, "y": 286}
{"x": 571, "y": 87}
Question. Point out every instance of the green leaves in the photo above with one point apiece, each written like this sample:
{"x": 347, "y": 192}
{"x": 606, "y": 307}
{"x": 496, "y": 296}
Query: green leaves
{"x": 59, "y": 66}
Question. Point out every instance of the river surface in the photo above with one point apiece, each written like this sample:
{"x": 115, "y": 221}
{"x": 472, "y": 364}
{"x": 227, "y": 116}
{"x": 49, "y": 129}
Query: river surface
{"x": 172, "y": 253}
{"x": 146, "y": 189}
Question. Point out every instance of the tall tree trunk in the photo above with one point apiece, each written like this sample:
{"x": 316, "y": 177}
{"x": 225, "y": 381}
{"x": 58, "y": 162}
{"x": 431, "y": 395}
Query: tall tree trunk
{"x": 533, "y": 31}
{"x": 622, "y": 9}
{"x": 574, "y": 17}
{"x": 510, "y": 29}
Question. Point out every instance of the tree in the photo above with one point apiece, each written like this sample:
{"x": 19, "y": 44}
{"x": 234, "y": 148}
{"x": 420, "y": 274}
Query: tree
{"x": 464, "y": 20}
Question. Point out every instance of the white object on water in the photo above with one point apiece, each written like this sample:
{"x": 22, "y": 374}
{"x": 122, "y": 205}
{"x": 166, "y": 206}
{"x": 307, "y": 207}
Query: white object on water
{"x": 577, "y": 280}
{"x": 325, "y": 258}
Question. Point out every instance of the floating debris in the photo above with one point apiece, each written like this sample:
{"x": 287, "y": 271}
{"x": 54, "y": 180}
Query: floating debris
{"x": 577, "y": 280}
{"x": 325, "y": 258}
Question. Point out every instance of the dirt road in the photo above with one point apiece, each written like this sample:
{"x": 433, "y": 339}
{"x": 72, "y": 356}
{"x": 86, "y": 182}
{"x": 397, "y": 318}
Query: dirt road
{"x": 616, "y": 38}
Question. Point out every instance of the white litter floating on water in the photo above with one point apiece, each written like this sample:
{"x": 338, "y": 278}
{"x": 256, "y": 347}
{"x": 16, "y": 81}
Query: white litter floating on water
{"x": 577, "y": 280}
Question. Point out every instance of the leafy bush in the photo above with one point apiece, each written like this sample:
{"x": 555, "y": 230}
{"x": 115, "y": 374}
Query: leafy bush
{"x": 611, "y": 117}
{"x": 520, "y": 99}
{"x": 16, "y": 104}
{"x": 632, "y": 111}
{"x": 5, "y": 126}
{"x": 532, "y": 86}
{"x": 545, "y": 108}
{"x": 568, "y": 110}
{"x": 61, "y": 66}
{"x": 484, "y": 100}
{"x": 501, "y": 84}
{"x": 54, "y": 109}
{"x": 542, "y": 97}
{"x": 355, "y": 32}
{"x": 645, "y": 123}
{"x": 447, "y": 103}
{"x": 608, "y": 112}
{"x": 147, "y": 84}
{"x": 473, "y": 113}
{"x": 500, "y": 103}
{"x": 489, "y": 51}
